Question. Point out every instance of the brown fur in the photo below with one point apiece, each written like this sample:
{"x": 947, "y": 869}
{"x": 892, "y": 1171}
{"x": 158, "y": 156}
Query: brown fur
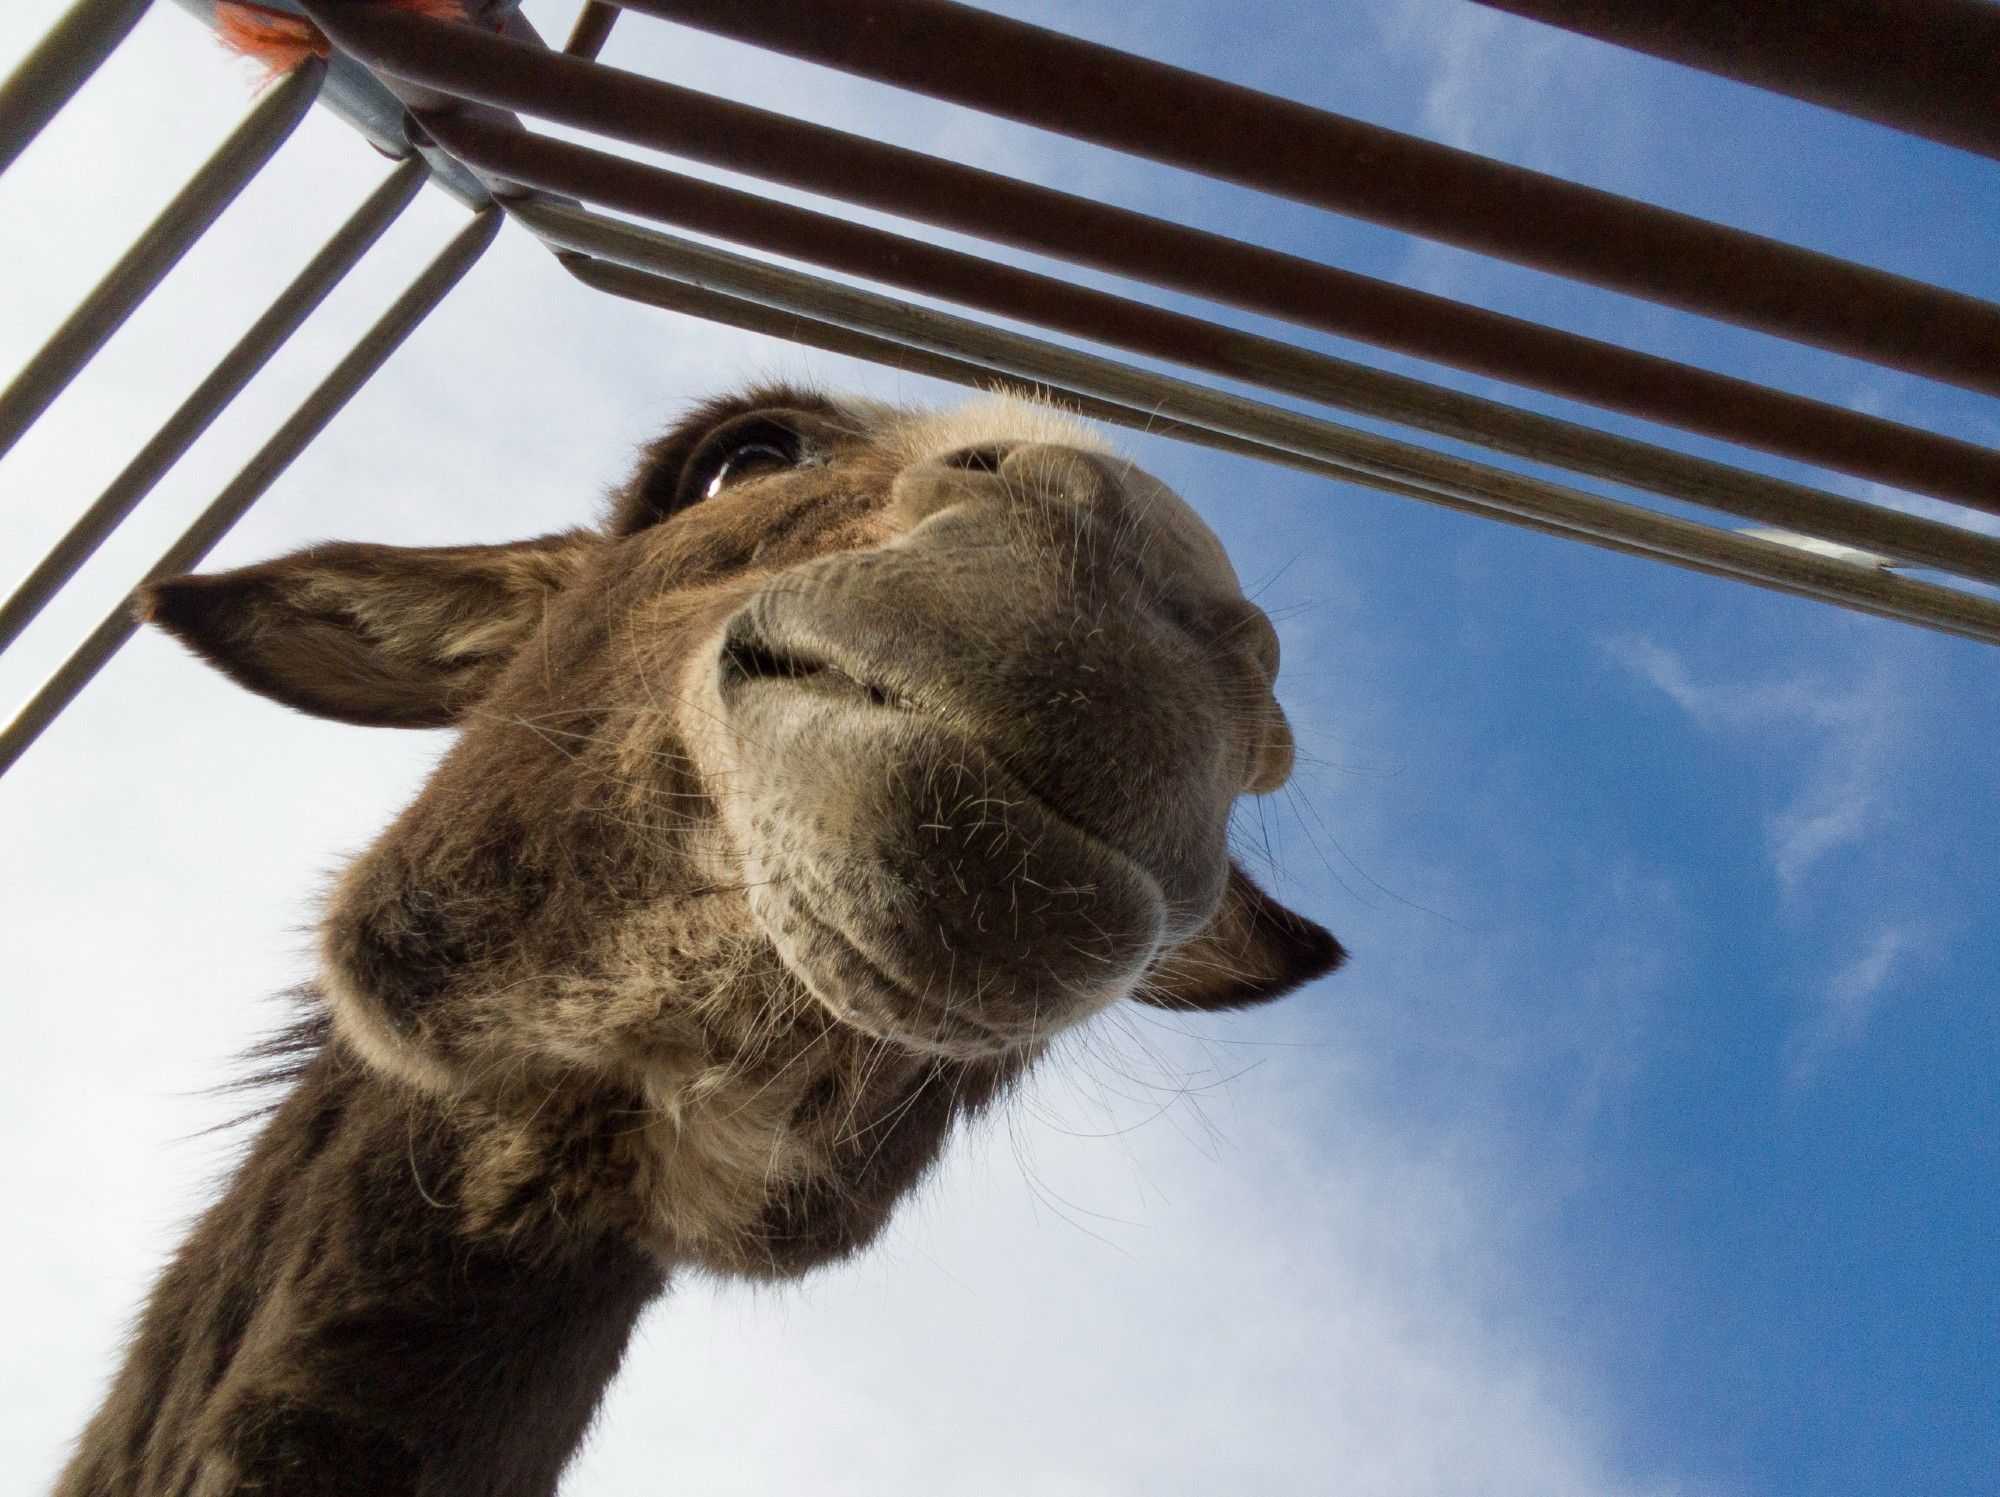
{"x": 783, "y": 829}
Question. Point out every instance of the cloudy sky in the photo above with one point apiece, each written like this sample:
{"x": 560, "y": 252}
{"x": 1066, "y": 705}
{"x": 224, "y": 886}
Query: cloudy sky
{"x": 1648, "y": 1144}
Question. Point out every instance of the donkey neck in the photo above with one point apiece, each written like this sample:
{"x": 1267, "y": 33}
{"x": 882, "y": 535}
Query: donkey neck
{"x": 336, "y": 1324}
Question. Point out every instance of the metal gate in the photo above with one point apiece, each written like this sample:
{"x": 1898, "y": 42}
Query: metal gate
{"x": 447, "y": 98}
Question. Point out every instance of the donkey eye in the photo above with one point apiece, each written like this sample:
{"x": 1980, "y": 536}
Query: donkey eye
{"x": 752, "y": 445}
{"x": 737, "y": 451}
{"x": 748, "y": 461}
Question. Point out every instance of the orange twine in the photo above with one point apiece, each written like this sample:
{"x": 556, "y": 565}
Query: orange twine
{"x": 278, "y": 41}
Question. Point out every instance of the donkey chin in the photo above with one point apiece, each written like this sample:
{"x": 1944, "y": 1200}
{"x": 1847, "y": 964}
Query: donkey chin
{"x": 980, "y": 777}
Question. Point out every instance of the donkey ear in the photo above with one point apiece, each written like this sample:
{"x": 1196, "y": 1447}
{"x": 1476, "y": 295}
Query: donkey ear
{"x": 383, "y": 636}
{"x": 1254, "y": 950}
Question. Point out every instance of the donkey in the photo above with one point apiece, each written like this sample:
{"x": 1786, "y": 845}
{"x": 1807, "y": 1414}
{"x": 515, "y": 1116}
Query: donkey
{"x": 792, "y": 811}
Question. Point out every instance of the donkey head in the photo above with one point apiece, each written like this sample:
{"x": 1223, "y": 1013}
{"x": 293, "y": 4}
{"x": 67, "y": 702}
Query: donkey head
{"x": 914, "y": 734}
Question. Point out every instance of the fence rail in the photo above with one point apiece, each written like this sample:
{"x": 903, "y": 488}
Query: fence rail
{"x": 1931, "y": 67}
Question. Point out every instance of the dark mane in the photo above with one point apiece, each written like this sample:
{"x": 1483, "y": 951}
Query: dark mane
{"x": 275, "y": 1064}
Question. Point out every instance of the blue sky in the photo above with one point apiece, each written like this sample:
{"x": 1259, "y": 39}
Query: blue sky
{"x": 1735, "y": 853}
{"x": 1648, "y": 1144}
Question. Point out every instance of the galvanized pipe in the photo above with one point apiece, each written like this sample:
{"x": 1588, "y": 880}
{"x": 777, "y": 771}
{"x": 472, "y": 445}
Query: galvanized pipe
{"x": 1095, "y": 93}
{"x": 212, "y": 396}
{"x": 512, "y": 154}
{"x": 465, "y": 63}
{"x": 347, "y": 377}
{"x": 1931, "y": 67}
{"x": 655, "y": 290}
{"x": 157, "y": 250}
{"x": 791, "y": 326}
{"x": 1360, "y": 457}
{"x": 61, "y": 63}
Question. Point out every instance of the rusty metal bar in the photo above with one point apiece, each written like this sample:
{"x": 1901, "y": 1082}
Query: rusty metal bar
{"x": 321, "y": 406}
{"x": 592, "y": 29}
{"x": 62, "y": 62}
{"x": 771, "y": 321}
{"x": 797, "y": 233}
{"x": 1930, "y": 67}
{"x": 340, "y": 254}
{"x": 1361, "y": 457}
{"x": 464, "y": 63}
{"x": 792, "y": 326}
{"x": 157, "y": 250}
{"x": 1095, "y": 93}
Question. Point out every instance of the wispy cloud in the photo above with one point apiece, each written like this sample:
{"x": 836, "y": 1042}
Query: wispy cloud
{"x": 1489, "y": 76}
{"x": 1504, "y": 88}
{"x": 1852, "y": 996}
{"x": 1845, "y": 734}
{"x": 1301, "y": 1307}
{"x": 1845, "y": 738}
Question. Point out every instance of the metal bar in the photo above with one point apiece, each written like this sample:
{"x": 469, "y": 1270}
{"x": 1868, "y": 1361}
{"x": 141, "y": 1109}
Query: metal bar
{"x": 157, "y": 250}
{"x": 1007, "y": 291}
{"x": 592, "y": 29}
{"x": 791, "y": 326}
{"x": 999, "y": 208}
{"x": 225, "y": 381}
{"x": 1186, "y": 119}
{"x": 358, "y": 97}
{"x": 61, "y": 63}
{"x": 656, "y": 290}
{"x": 271, "y": 460}
{"x": 1361, "y": 457}
{"x": 1165, "y": 418}
{"x": 1931, "y": 67}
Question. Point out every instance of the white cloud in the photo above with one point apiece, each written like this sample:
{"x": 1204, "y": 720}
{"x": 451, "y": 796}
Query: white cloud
{"x": 1850, "y": 998}
{"x": 1846, "y": 735}
{"x": 1140, "y": 1316}
{"x": 1511, "y": 90}
{"x": 1847, "y": 742}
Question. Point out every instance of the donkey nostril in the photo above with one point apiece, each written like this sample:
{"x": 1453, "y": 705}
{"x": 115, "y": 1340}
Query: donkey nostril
{"x": 985, "y": 458}
{"x": 749, "y": 658}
